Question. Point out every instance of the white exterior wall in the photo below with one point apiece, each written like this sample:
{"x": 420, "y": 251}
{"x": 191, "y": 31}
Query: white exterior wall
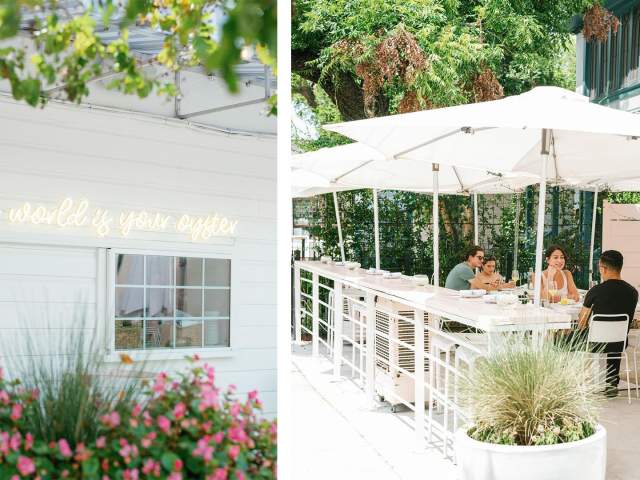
{"x": 621, "y": 231}
{"x": 120, "y": 162}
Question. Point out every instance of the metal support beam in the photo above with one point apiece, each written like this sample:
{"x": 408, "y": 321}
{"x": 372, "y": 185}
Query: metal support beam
{"x": 337, "y": 325}
{"x": 222, "y": 108}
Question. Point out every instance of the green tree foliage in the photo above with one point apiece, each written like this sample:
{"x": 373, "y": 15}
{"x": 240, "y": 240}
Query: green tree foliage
{"x": 63, "y": 46}
{"x": 353, "y": 59}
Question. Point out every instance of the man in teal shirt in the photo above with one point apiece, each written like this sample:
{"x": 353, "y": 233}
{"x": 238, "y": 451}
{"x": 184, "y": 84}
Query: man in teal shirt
{"x": 462, "y": 276}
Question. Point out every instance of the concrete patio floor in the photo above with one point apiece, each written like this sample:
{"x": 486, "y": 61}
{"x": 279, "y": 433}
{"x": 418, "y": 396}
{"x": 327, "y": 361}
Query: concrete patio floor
{"x": 338, "y": 435}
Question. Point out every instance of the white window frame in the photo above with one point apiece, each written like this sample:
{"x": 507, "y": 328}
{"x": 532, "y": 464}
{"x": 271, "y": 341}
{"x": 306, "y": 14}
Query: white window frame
{"x": 164, "y": 353}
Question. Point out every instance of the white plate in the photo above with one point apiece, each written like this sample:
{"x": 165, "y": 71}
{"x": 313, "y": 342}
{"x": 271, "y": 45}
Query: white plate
{"x": 392, "y": 275}
{"x": 472, "y": 293}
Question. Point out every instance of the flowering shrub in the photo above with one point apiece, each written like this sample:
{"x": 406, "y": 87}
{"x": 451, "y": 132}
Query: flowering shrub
{"x": 186, "y": 428}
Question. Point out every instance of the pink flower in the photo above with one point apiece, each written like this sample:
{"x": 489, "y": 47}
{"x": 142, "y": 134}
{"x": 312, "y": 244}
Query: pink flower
{"x": 253, "y": 394}
{"x": 235, "y": 409}
{"x": 16, "y": 412}
{"x": 175, "y": 476}
{"x": 4, "y": 397}
{"x": 218, "y": 437}
{"x": 239, "y": 475}
{"x": 164, "y": 423}
{"x": 26, "y": 466}
{"x": 65, "y": 450}
{"x": 111, "y": 419}
{"x": 238, "y": 435}
{"x": 234, "y": 451}
{"x": 151, "y": 466}
{"x": 203, "y": 449}
{"x": 15, "y": 441}
{"x": 219, "y": 474}
{"x": 160, "y": 382}
{"x": 209, "y": 398}
{"x": 28, "y": 442}
{"x": 137, "y": 409}
{"x": 177, "y": 465}
{"x": 179, "y": 410}
{"x": 131, "y": 474}
{"x": 101, "y": 442}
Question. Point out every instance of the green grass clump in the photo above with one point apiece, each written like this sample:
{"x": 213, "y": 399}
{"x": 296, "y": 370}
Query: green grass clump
{"x": 522, "y": 395}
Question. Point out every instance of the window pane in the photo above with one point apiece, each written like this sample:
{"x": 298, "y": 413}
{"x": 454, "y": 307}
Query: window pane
{"x": 159, "y": 302}
{"x": 128, "y": 334}
{"x": 129, "y": 270}
{"x": 129, "y": 301}
{"x": 216, "y": 303}
{"x": 159, "y": 334}
{"x": 188, "y": 303}
{"x": 188, "y": 333}
{"x": 217, "y": 273}
{"x": 188, "y": 271}
{"x": 159, "y": 270}
{"x": 216, "y": 333}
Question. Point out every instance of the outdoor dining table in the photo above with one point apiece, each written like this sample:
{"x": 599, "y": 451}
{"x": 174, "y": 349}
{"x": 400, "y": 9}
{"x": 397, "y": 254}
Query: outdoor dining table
{"x": 446, "y": 303}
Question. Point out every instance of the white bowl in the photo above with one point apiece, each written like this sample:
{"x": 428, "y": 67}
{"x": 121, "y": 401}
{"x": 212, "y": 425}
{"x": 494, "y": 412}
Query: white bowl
{"x": 503, "y": 299}
{"x": 421, "y": 280}
{"x": 325, "y": 259}
{"x": 472, "y": 293}
{"x": 352, "y": 265}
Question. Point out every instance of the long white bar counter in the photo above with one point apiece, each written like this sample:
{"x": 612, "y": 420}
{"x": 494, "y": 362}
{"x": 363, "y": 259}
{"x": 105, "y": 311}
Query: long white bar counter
{"x": 445, "y": 302}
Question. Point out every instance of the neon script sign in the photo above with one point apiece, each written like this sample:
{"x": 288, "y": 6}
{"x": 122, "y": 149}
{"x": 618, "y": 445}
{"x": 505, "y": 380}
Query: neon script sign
{"x": 70, "y": 213}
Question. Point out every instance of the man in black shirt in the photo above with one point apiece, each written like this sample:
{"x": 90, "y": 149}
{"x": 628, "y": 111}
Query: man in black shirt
{"x": 612, "y": 296}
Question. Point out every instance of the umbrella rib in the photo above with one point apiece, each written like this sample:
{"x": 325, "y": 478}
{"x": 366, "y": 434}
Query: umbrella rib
{"x": 339, "y": 177}
{"x": 396, "y": 156}
{"x": 455, "y": 170}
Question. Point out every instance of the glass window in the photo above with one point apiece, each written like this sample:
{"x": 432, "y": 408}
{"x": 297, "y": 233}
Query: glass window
{"x": 189, "y": 271}
{"x": 171, "y": 302}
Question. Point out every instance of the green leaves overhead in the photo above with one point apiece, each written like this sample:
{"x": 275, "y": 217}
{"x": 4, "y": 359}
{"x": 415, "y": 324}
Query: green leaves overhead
{"x": 474, "y": 49}
{"x": 66, "y": 51}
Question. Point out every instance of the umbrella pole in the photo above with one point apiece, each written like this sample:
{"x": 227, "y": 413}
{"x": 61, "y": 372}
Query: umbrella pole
{"x": 593, "y": 235}
{"x": 516, "y": 234}
{"x": 376, "y": 228}
{"x": 544, "y": 154}
{"x": 340, "y": 242}
{"x": 476, "y": 234}
{"x": 436, "y": 227}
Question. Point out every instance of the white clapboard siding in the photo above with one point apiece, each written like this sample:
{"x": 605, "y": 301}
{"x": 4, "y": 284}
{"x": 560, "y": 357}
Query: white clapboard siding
{"x": 621, "y": 231}
{"x": 132, "y": 163}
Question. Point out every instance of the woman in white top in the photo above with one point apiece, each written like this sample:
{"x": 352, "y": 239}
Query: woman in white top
{"x": 557, "y": 282}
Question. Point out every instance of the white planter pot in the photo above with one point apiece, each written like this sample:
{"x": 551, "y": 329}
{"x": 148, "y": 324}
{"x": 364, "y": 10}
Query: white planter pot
{"x": 585, "y": 459}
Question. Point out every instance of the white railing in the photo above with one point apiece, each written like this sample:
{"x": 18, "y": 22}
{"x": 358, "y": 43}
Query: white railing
{"x": 387, "y": 342}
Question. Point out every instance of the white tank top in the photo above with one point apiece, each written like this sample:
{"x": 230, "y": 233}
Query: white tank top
{"x": 564, "y": 291}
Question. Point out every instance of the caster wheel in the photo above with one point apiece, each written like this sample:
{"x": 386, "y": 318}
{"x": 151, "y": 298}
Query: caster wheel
{"x": 380, "y": 398}
{"x": 395, "y": 409}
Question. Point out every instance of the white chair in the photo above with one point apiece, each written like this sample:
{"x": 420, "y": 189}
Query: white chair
{"x": 604, "y": 328}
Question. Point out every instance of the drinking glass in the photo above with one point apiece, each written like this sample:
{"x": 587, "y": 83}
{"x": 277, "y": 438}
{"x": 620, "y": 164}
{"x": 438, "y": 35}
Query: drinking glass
{"x": 553, "y": 289}
{"x": 515, "y": 277}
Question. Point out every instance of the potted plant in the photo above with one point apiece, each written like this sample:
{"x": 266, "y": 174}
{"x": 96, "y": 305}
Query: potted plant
{"x": 533, "y": 415}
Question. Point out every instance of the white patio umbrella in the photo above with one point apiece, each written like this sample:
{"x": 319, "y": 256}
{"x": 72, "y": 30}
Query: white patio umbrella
{"x": 360, "y": 166}
{"x": 515, "y": 134}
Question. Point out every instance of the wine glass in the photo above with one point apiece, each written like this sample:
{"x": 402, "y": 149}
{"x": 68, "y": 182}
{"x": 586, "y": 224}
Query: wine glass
{"x": 515, "y": 276}
{"x": 553, "y": 289}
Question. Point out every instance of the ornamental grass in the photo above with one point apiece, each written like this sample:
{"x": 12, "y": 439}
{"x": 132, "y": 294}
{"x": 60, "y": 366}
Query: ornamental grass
{"x": 523, "y": 395}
